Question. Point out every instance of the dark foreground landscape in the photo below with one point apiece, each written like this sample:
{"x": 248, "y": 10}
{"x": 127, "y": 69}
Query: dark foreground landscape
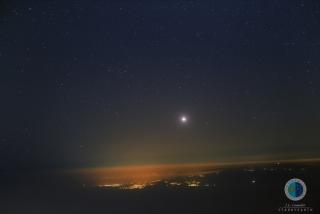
{"x": 241, "y": 189}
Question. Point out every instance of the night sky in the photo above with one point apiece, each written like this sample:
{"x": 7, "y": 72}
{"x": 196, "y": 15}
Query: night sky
{"x": 105, "y": 83}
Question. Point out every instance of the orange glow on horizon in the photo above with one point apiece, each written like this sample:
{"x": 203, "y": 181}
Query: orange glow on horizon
{"x": 140, "y": 175}
{"x": 108, "y": 176}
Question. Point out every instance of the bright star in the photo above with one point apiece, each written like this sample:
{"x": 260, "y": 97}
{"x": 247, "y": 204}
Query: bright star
{"x": 183, "y": 119}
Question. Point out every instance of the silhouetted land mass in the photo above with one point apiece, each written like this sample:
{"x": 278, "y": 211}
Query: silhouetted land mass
{"x": 252, "y": 189}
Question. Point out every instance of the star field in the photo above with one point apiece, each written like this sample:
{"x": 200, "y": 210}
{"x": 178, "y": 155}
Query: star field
{"x": 103, "y": 82}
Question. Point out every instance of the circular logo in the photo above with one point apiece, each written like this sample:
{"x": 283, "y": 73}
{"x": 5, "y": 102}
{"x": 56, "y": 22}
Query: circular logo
{"x": 295, "y": 189}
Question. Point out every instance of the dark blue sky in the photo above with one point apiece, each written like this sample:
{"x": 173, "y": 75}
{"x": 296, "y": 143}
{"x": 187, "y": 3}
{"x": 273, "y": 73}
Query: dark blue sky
{"x": 103, "y": 82}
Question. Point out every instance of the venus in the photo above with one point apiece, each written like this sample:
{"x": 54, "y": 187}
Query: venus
{"x": 183, "y": 119}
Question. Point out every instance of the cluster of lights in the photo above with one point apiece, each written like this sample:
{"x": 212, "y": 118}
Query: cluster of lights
{"x": 192, "y": 183}
{"x": 136, "y": 186}
{"x": 175, "y": 183}
{"x": 126, "y": 186}
{"x": 110, "y": 185}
